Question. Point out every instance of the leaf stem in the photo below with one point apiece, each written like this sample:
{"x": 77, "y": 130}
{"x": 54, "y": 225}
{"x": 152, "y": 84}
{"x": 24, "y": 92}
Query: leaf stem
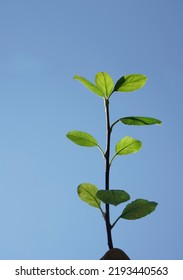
{"x": 113, "y": 158}
{"x": 114, "y": 124}
{"x": 101, "y": 150}
{"x": 115, "y": 222}
{"x": 107, "y": 171}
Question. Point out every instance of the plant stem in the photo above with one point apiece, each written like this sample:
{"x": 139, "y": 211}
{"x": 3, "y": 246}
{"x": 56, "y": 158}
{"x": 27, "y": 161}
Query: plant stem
{"x": 114, "y": 124}
{"x": 115, "y": 222}
{"x": 107, "y": 172}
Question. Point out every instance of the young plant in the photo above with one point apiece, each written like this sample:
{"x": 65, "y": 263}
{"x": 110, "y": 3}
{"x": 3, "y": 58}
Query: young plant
{"x": 105, "y": 88}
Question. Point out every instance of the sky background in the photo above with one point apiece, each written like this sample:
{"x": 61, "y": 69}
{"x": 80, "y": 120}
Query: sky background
{"x": 43, "y": 45}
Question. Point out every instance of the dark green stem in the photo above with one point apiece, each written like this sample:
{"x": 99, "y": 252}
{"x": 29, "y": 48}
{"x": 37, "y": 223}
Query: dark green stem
{"x": 114, "y": 124}
{"x": 115, "y": 222}
{"x": 107, "y": 172}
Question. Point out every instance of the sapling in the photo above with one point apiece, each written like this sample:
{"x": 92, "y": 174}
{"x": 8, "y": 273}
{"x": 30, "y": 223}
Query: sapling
{"x": 105, "y": 88}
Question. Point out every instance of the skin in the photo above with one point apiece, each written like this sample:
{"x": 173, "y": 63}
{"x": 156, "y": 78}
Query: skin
{"x": 115, "y": 254}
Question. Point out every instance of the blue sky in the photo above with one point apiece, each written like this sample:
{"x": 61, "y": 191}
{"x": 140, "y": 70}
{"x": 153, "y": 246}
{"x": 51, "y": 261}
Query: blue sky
{"x": 43, "y": 45}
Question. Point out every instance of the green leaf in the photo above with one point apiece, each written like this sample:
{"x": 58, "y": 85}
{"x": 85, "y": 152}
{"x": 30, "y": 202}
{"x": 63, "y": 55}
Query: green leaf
{"x": 82, "y": 138}
{"x": 105, "y": 83}
{"x": 130, "y": 82}
{"x": 113, "y": 197}
{"x": 87, "y": 193}
{"x": 136, "y": 120}
{"x": 89, "y": 85}
{"x": 128, "y": 145}
{"x": 138, "y": 209}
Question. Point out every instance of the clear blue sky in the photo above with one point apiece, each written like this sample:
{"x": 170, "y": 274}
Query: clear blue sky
{"x": 43, "y": 45}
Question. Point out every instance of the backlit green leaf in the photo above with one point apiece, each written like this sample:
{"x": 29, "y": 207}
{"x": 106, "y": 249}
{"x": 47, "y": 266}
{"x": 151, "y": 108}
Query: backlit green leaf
{"x": 113, "y": 197}
{"x": 89, "y": 85}
{"x": 138, "y": 209}
{"x": 82, "y": 138}
{"x": 128, "y": 145}
{"x": 105, "y": 83}
{"x": 136, "y": 120}
{"x": 87, "y": 192}
{"x": 130, "y": 82}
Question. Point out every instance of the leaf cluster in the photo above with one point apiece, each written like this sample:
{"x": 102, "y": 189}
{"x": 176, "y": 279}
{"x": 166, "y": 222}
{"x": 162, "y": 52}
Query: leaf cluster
{"x": 105, "y": 87}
